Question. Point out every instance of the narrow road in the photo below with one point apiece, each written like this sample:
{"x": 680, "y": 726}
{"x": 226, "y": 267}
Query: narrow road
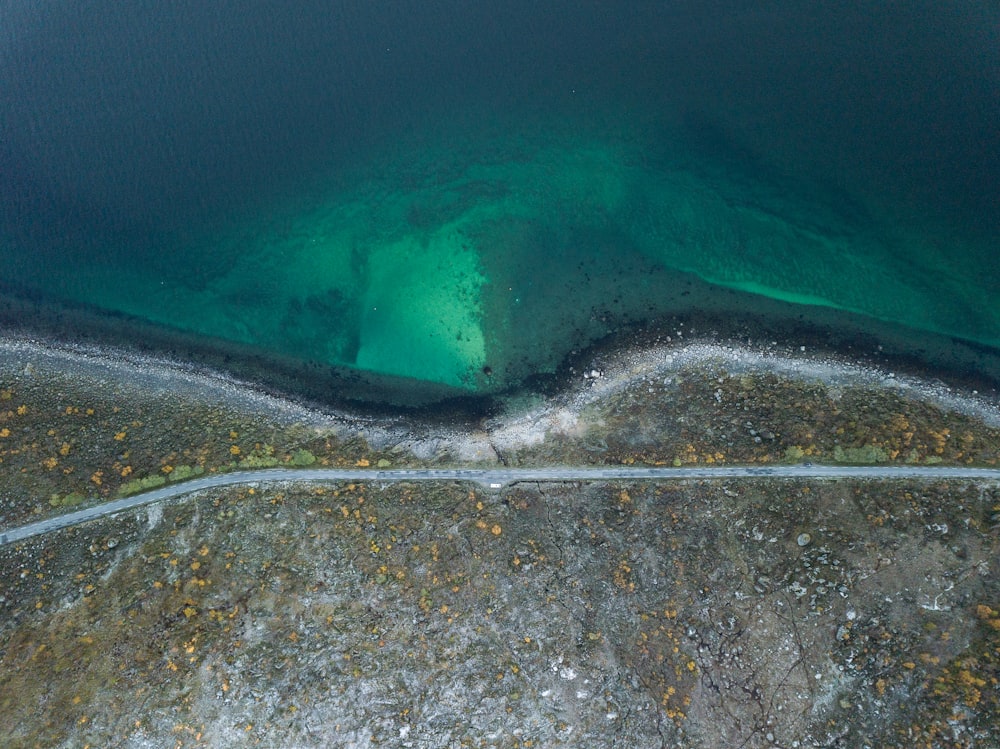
{"x": 495, "y": 479}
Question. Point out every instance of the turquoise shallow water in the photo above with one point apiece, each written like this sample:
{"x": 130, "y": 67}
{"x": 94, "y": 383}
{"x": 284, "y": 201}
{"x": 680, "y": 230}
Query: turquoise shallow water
{"x": 446, "y": 232}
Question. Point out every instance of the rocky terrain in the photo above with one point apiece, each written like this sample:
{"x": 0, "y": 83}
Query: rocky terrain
{"x": 705, "y": 614}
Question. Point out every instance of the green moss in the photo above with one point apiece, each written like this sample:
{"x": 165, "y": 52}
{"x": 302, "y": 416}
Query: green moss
{"x": 140, "y": 485}
{"x": 860, "y": 455}
{"x": 794, "y": 453}
{"x": 258, "y": 461}
{"x": 69, "y": 500}
{"x": 302, "y": 458}
{"x": 185, "y": 472}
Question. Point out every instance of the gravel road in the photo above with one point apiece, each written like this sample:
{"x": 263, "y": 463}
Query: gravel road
{"x": 495, "y": 479}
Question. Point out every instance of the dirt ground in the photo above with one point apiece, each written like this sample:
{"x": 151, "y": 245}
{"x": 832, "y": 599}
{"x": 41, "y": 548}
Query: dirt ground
{"x": 698, "y": 614}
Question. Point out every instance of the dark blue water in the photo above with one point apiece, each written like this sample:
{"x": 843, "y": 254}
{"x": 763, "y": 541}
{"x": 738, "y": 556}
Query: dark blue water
{"x": 461, "y": 193}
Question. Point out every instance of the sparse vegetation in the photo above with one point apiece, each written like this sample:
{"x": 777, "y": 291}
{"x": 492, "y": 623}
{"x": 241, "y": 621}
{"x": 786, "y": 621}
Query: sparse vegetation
{"x": 698, "y": 614}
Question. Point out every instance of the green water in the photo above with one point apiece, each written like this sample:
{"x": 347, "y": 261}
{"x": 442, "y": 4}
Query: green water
{"x": 400, "y": 193}
{"x": 476, "y": 258}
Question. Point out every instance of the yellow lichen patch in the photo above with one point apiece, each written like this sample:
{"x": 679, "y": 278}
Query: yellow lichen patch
{"x": 688, "y": 455}
{"x": 989, "y": 616}
{"x": 973, "y": 684}
{"x": 622, "y": 576}
{"x": 119, "y": 436}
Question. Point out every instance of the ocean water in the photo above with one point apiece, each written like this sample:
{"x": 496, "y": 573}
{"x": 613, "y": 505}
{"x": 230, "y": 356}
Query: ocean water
{"x": 463, "y": 193}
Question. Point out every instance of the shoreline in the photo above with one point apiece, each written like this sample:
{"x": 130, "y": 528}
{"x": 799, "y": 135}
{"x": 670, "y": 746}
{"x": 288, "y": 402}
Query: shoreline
{"x": 521, "y": 420}
{"x": 696, "y": 312}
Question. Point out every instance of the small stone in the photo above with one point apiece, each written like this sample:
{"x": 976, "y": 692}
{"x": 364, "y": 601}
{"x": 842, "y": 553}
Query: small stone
{"x": 803, "y": 539}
